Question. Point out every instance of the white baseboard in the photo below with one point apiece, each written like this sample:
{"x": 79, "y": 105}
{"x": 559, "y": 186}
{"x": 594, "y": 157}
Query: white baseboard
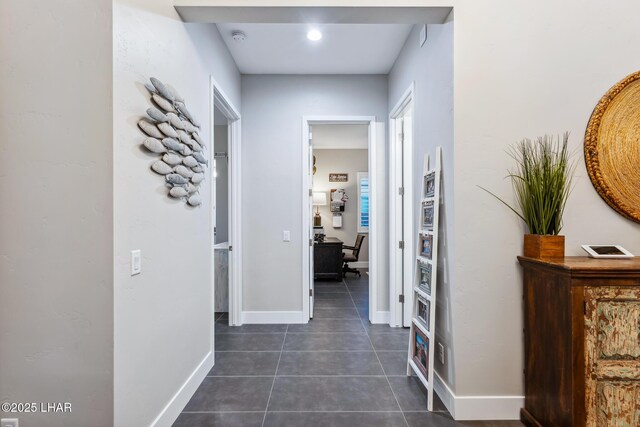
{"x": 170, "y": 412}
{"x": 270, "y": 317}
{"x": 478, "y": 407}
{"x": 359, "y": 264}
{"x": 380, "y": 317}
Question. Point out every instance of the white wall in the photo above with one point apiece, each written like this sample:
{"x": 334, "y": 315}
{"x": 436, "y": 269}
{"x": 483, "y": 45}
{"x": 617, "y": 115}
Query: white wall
{"x": 56, "y": 253}
{"x": 523, "y": 69}
{"x": 222, "y": 183}
{"x": 430, "y": 68}
{"x": 342, "y": 161}
{"x": 163, "y": 317}
{"x": 273, "y": 107}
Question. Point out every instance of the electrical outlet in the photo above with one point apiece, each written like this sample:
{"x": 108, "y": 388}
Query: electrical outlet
{"x": 136, "y": 263}
{"x": 286, "y": 236}
{"x": 441, "y": 353}
{"x": 9, "y": 422}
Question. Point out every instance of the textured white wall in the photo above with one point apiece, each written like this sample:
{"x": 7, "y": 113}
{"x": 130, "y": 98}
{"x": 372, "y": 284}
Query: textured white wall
{"x": 56, "y": 253}
{"x": 273, "y": 107}
{"x": 523, "y": 69}
{"x": 342, "y": 161}
{"x": 163, "y": 326}
{"x": 431, "y": 68}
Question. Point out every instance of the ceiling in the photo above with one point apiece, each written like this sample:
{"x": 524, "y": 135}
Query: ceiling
{"x": 343, "y": 49}
{"x": 356, "y": 40}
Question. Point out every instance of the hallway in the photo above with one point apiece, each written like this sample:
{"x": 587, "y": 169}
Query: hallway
{"x": 337, "y": 370}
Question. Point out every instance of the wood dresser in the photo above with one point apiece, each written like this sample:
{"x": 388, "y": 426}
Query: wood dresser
{"x": 582, "y": 342}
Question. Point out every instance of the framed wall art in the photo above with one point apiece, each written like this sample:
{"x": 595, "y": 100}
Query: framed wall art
{"x": 424, "y": 310}
{"x": 427, "y": 214}
{"x": 429, "y": 185}
{"x": 420, "y": 350}
{"x": 424, "y": 277}
{"x": 426, "y": 245}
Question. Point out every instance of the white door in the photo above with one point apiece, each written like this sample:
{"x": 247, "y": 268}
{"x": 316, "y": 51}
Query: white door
{"x": 311, "y": 233}
{"x": 408, "y": 257}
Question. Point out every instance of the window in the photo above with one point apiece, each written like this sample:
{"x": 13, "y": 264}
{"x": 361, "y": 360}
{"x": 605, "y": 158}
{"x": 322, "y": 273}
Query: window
{"x": 363, "y": 202}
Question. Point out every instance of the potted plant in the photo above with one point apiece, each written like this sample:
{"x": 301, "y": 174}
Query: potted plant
{"x": 541, "y": 181}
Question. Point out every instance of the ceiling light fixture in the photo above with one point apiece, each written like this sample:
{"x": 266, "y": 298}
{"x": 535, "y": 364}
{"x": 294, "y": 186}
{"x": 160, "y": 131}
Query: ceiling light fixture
{"x": 314, "y": 35}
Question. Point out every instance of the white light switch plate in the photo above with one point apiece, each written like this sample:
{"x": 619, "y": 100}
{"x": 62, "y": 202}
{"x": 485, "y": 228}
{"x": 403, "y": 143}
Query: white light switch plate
{"x": 9, "y": 422}
{"x": 286, "y": 236}
{"x": 136, "y": 263}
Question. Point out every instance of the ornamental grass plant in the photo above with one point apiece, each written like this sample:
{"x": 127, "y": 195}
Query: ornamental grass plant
{"x": 542, "y": 180}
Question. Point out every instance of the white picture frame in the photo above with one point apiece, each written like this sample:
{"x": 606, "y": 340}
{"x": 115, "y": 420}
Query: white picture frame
{"x": 607, "y": 251}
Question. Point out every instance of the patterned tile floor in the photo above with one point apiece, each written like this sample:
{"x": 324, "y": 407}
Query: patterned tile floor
{"x": 337, "y": 370}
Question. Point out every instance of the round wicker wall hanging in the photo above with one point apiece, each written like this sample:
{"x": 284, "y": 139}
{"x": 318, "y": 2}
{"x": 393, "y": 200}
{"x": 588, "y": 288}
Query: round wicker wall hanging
{"x": 612, "y": 147}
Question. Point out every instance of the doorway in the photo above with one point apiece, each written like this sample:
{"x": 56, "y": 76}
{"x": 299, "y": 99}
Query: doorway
{"x": 322, "y": 187}
{"x": 401, "y": 215}
{"x": 225, "y": 196}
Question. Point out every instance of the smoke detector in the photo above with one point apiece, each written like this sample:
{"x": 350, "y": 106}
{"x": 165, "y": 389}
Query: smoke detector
{"x": 238, "y": 36}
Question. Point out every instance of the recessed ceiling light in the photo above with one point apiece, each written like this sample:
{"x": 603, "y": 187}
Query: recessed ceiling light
{"x": 314, "y": 35}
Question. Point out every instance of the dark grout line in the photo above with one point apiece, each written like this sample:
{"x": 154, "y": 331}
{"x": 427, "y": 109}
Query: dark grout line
{"x": 366, "y": 331}
{"x": 275, "y": 375}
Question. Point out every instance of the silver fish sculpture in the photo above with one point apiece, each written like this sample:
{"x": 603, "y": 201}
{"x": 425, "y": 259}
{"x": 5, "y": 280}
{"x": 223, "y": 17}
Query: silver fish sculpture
{"x": 194, "y": 200}
{"x": 172, "y": 144}
{"x": 162, "y": 89}
{"x": 156, "y": 114}
{"x": 175, "y": 178}
{"x": 178, "y": 192}
{"x": 154, "y": 145}
{"x": 190, "y": 161}
{"x": 149, "y": 128}
{"x": 161, "y": 168}
{"x": 167, "y": 130}
{"x": 165, "y": 105}
{"x": 184, "y": 171}
{"x": 197, "y": 178}
{"x": 172, "y": 159}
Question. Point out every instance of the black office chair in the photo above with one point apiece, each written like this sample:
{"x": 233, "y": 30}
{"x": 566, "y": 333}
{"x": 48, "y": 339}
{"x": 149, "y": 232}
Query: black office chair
{"x": 352, "y": 257}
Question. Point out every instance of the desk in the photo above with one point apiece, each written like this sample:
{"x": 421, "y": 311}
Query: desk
{"x": 327, "y": 259}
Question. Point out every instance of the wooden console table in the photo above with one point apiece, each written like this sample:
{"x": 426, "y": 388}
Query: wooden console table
{"x": 582, "y": 342}
{"x": 327, "y": 259}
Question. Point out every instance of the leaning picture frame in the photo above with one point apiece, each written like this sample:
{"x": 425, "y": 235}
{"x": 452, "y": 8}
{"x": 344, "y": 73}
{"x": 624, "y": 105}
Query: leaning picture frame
{"x": 426, "y": 246}
{"x": 424, "y": 274}
{"x": 420, "y": 351}
{"x": 427, "y": 214}
{"x": 424, "y": 312}
{"x": 429, "y": 185}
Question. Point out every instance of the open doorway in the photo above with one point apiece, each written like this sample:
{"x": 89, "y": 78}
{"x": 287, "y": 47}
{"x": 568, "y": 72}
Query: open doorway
{"x": 225, "y": 149}
{"x": 338, "y": 182}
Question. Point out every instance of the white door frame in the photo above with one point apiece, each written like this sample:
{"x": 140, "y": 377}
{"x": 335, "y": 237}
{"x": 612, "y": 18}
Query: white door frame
{"x": 219, "y": 99}
{"x": 373, "y": 203}
{"x": 401, "y": 265}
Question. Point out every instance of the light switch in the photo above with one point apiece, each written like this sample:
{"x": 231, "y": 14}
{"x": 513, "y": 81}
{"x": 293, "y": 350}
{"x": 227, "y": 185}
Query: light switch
{"x": 136, "y": 262}
{"x": 286, "y": 236}
{"x": 9, "y": 422}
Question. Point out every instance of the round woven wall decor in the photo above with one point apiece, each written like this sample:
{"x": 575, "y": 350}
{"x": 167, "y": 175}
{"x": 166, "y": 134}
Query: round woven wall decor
{"x": 612, "y": 147}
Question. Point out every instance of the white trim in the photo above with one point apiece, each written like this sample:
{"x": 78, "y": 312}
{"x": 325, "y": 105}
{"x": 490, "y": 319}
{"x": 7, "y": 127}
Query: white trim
{"x": 381, "y": 317}
{"x": 396, "y": 256}
{"x": 172, "y": 410}
{"x": 222, "y": 101}
{"x": 478, "y": 407}
{"x": 273, "y": 317}
{"x": 374, "y": 232}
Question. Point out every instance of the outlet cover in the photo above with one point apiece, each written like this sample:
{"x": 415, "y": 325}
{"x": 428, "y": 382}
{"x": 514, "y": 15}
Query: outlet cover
{"x": 441, "y": 353}
{"x": 9, "y": 422}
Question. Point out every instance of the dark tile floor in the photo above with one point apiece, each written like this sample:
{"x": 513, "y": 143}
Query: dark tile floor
{"x": 337, "y": 370}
